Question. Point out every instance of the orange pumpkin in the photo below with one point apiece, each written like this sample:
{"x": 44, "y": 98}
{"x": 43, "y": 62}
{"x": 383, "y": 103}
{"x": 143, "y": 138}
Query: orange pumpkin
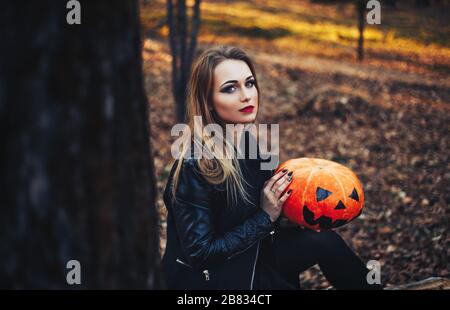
{"x": 324, "y": 194}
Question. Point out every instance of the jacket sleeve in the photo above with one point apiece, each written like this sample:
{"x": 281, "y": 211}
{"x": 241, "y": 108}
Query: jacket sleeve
{"x": 194, "y": 222}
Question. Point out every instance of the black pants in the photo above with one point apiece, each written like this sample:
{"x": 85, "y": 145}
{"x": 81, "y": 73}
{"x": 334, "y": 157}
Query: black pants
{"x": 295, "y": 250}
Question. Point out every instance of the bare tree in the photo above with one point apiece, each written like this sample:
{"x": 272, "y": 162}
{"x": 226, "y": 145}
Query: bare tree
{"x": 182, "y": 50}
{"x": 77, "y": 174}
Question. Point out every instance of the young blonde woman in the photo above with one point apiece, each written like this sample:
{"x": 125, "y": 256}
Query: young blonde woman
{"x": 223, "y": 223}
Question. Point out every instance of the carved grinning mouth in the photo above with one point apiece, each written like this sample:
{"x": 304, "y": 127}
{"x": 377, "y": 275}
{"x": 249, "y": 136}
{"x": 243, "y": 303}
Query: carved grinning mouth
{"x": 326, "y": 222}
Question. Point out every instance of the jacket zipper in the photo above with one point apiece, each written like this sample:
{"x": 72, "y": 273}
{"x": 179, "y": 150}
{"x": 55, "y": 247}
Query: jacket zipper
{"x": 183, "y": 263}
{"x": 205, "y": 272}
{"x": 254, "y": 266}
{"x": 256, "y": 259}
{"x": 241, "y": 251}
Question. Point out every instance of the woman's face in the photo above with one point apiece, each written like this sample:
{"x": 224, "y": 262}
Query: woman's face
{"x": 235, "y": 97}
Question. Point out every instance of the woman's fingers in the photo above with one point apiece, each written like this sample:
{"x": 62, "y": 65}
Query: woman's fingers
{"x": 284, "y": 185}
{"x": 275, "y": 178}
{"x": 284, "y": 197}
{"x": 276, "y": 186}
{"x": 281, "y": 184}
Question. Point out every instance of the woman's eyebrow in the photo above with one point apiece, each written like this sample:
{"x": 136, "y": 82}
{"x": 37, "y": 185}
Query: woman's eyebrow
{"x": 235, "y": 81}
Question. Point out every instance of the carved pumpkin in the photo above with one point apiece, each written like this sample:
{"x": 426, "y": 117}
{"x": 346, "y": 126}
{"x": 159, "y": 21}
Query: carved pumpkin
{"x": 324, "y": 194}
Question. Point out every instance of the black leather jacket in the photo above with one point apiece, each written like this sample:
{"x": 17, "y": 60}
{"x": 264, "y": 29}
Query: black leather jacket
{"x": 210, "y": 243}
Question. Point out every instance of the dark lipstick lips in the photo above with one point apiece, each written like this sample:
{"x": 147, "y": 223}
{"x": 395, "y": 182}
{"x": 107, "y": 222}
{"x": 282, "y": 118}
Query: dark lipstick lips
{"x": 248, "y": 108}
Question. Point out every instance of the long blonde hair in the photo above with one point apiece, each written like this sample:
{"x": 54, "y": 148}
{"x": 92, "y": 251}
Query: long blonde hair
{"x": 219, "y": 169}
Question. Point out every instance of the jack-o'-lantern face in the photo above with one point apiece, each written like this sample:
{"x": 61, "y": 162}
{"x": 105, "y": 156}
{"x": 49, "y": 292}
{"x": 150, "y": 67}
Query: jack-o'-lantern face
{"x": 324, "y": 194}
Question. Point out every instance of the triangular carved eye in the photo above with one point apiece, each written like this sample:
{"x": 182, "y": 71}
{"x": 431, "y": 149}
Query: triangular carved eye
{"x": 321, "y": 194}
{"x": 354, "y": 195}
{"x": 340, "y": 206}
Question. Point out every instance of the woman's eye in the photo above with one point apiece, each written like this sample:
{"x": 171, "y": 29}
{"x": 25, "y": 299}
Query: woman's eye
{"x": 251, "y": 83}
{"x": 229, "y": 89}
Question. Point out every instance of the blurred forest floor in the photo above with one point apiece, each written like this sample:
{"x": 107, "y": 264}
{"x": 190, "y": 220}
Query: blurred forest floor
{"x": 386, "y": 118}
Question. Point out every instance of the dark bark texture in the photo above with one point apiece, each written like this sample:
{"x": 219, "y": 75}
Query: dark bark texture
{"x": 76, "y": 169}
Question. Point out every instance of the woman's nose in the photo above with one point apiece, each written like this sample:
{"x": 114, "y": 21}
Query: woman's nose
{"x": 245, "y": 95}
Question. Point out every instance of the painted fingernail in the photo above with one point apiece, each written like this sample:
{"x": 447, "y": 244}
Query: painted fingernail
{"x": 290, "y": 173}
{"x": 284, "y": 170}
{"x": 289, "y": 191}
{"x": 290, "y": 179}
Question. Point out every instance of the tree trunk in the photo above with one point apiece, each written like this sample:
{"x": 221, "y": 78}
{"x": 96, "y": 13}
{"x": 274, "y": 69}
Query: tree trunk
{"x": 391, "y": 3}
{"x": 361, "y": 6}
{"x": 77, "y": 174}
{"x": 422, "y": 3}
{"x": 182, "y": 54}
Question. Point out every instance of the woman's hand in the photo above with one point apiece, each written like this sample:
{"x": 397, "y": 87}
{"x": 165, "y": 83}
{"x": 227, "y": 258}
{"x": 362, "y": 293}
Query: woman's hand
{"x": 273, "y": 195}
